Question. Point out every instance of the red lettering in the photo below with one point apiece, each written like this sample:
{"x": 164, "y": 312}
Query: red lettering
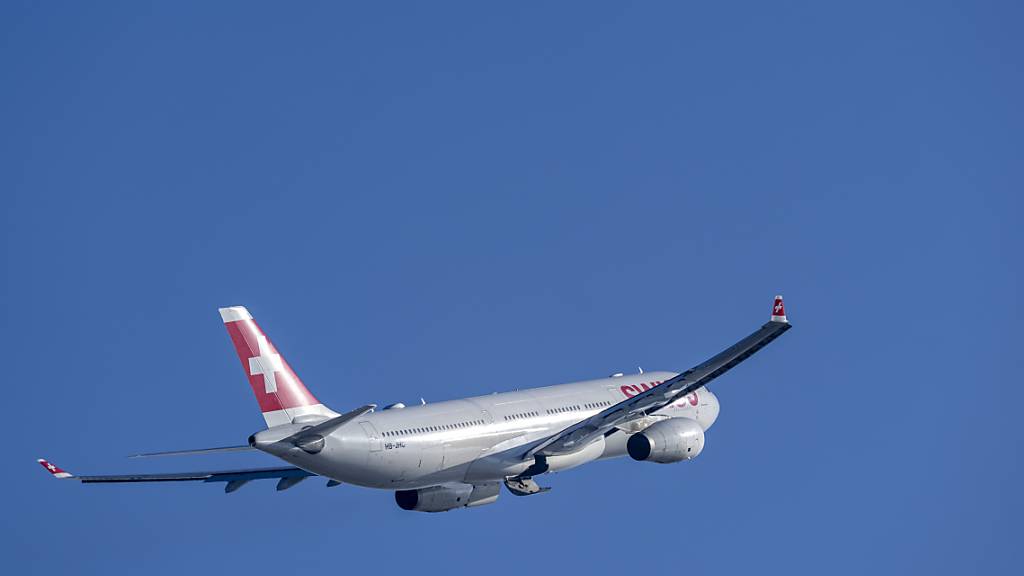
{"x": 630, "y": 390}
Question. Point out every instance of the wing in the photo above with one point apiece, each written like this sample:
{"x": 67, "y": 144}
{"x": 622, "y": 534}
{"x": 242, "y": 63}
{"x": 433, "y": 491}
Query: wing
{"x": 582, "y": 433}
{"x": 288, "y": 476}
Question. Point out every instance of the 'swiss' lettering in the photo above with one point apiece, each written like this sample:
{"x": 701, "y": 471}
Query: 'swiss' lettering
{"x": 630, "y": 390}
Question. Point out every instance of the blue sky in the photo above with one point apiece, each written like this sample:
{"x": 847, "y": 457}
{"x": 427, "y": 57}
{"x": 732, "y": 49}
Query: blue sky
{"x": 448, "y": 200}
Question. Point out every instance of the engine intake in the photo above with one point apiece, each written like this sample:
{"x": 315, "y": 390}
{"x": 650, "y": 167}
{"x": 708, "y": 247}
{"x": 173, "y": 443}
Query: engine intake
{"x": 447, "y": 497}
{"x": 667, "y": 441}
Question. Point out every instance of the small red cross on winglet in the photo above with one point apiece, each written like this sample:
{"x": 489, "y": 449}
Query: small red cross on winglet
{"x": 779, "y": 310}
{"x": 53, "y": 469}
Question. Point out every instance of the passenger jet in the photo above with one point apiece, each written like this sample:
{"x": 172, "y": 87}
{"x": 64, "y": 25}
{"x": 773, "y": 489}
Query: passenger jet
{"x": 457, "y": 454}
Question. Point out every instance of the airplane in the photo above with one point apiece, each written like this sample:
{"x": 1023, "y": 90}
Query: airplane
{"x": 456, "y": 454}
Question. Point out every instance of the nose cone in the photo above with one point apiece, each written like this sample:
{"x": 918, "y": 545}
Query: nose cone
{"x": 708, "y": 408}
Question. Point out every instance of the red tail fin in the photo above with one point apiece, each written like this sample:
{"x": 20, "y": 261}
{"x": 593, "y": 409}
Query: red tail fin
{"x": 281, "y": 395}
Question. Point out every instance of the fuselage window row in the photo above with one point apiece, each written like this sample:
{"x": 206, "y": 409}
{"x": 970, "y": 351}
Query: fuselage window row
{"x": 508, "y": 418}
{"x": 520, "y": 416}
{"x": 564, "y": 409}
{"x": 425, "y": 429}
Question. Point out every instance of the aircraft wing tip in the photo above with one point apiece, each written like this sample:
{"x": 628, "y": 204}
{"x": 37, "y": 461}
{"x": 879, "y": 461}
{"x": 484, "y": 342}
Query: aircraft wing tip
{"x": 55, "y": 471}
{"x": 779, "y": 310}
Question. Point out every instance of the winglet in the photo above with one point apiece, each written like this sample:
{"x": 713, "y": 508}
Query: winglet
{"x": 779, "y": 311}
{"x": 52, "y": 469}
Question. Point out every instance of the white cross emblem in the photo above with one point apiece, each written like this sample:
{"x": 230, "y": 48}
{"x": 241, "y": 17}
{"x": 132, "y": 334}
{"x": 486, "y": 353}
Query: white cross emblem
{"x": 267, "y": 364}
{"x": 51, "y": 467}
{"x": 778, "y": 307}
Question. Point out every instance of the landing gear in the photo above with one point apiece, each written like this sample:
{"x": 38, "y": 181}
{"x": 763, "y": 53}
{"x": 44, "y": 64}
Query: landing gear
{"x": 524, "y": 484}
{"x": 521, "y": 486}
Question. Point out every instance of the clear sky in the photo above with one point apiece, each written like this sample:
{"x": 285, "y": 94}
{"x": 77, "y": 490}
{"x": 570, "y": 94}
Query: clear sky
{"x": 444, "y": 200}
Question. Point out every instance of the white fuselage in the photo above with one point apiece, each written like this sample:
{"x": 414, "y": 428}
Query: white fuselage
{"x": 479, "y": 439}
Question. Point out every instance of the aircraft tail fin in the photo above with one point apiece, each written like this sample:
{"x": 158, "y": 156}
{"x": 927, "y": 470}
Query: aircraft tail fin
{"x": 281, "y": 395}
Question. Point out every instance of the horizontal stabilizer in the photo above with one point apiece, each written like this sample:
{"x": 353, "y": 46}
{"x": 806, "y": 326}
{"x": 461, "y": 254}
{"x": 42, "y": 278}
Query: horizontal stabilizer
{"x": 194, "y": 452}
{"x": 234, "y": 478}
{"x": 327, "y": 426}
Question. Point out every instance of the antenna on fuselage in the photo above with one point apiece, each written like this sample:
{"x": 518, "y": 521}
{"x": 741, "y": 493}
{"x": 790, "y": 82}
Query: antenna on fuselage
{"x": 640, "y": 369}
{"x": 422, "y": 402}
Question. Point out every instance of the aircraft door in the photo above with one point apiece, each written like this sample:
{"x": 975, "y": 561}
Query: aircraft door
{"x": 616, "y": 395}
{"x": 446, "y": 456}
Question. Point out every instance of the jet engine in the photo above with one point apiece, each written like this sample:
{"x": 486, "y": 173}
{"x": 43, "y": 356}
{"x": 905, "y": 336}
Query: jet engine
{"x": 447, "y": 497}
{"x": 671, "y": 440}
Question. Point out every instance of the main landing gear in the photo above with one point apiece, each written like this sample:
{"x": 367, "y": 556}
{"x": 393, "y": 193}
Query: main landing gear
{"x": 524, "y": 484}
{"x": 521, "y": 486}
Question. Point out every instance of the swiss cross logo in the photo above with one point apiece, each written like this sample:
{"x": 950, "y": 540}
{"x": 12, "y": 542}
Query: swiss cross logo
{"x": 778, "y": 309}
{"x": 279, "y": 388}
{"x": 51, "y": 467}
{"x": 267, "y": 364}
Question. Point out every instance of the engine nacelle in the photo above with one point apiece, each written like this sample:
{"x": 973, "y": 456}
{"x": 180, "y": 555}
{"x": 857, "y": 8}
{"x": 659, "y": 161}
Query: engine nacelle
{"x": 589, "y": 453}
{"x": 667, "y": 441}
{"x": 447, "y": 497}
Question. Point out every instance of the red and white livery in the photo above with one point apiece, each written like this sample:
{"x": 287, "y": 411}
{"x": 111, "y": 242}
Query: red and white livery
{"x": 282, "y": 396}
{"x": 457, "y": 453}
